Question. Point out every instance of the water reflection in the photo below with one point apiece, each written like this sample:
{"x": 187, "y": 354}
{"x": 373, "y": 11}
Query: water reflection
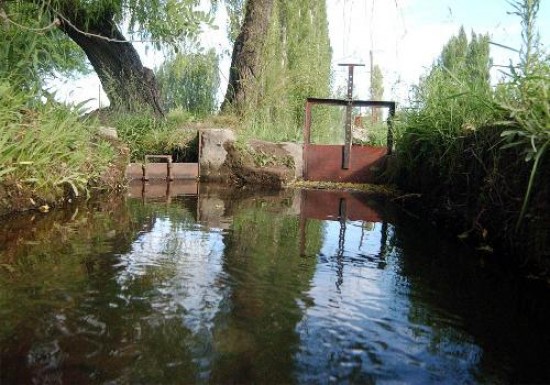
{"x": 237, "y": 287}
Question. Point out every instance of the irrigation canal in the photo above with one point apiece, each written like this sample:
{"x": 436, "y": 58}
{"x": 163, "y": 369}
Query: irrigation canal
{"x": 174, "y": 287}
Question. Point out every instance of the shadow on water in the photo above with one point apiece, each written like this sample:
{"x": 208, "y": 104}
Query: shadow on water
{"x": 177, "y": 285}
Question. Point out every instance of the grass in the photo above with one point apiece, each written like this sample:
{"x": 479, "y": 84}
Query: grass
{"x": 46, "y": 148}
{"x": 527, "y": 100}
{"x": 144, "y": 134}
{"x": 480, "y": 154}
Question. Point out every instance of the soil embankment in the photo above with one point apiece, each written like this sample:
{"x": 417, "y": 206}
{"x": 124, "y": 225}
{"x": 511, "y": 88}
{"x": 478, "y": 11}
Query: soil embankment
{"x": 16, "y": 196}
{"x": 482, "y": 199}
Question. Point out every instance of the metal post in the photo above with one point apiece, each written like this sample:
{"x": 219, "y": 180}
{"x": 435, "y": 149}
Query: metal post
{"x": 307, "y": 124}
{"x": 349, "y": 110}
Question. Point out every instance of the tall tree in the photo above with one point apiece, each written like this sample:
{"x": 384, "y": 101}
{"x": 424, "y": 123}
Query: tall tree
{"x": 129, "y": 85}
{"x": 190, "y": 81}
{"x": 247, "y": 52}
{"x": 291, "y": 63}
{"x": 95, "y": 28}
{"x": 377, "y": 91}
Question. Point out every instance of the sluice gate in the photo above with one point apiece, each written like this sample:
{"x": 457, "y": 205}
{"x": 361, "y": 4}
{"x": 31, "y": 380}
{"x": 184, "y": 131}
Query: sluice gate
{"x": 348, "y": 162}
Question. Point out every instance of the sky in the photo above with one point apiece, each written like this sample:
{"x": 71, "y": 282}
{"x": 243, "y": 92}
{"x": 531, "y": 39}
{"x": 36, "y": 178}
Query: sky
{"x": 405, "y": 36}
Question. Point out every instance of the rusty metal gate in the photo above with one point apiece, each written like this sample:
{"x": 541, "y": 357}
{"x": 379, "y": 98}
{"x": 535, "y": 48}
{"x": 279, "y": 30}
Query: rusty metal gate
{"x": 347, "y": 162}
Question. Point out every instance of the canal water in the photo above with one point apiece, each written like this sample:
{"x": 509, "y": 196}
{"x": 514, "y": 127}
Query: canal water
{"x": 236, "y": 287}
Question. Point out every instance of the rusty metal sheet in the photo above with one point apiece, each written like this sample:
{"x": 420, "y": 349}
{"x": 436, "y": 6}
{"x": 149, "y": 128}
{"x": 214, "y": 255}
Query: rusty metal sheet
{"x": 324, "y": 163}
{"x": 159, "y": 170}
{"x": 337, "y": 205}
{"x": 160, "y": 189}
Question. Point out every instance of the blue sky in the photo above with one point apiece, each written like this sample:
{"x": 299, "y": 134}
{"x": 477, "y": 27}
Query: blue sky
{"x": 406, "y": 36}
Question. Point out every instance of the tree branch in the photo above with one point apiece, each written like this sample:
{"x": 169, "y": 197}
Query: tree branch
{"x": 7, "y": 22}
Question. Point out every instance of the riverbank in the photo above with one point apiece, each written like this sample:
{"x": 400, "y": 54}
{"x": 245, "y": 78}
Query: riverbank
{"x": 49, "y": 153}
{"x": 481, "y": 200}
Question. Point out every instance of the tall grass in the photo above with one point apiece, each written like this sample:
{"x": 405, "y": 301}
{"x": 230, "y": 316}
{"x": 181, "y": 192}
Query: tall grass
{"x": 145, "y": 134}
{"x": 526, "y": 98}
{"x": 450, "y": 103}
{"x": 45, "y": 148}
{"x": 480, "y": 153}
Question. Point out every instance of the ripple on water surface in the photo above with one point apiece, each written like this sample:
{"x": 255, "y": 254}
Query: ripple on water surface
{"x": 253, "y": 291}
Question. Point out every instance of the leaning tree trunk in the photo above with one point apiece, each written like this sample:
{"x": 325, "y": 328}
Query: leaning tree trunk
{"x": 247, "y": 53}
{"x": 129, "y": 85}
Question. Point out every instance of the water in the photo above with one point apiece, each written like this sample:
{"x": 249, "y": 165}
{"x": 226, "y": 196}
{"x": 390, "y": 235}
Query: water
{"x": 309, "y": 287}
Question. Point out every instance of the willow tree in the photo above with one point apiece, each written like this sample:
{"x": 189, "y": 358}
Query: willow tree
{"x": 281, "y": 56}
{"x": 247, "y": 52}
{"x": 190, "y": 81}
{"x": 95, "y": 26}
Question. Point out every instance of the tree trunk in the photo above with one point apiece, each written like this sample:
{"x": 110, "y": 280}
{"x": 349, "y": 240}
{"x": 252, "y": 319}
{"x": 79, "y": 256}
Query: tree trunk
{"x": 247, "y": 52}
{"x": 3, "y": 17}
{"x": 129, "y": 85}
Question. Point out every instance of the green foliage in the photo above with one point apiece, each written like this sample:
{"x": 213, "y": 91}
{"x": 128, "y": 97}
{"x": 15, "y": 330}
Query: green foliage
{"x": 526, "y": 98}
{"x": 144, "y": 135}
{"x": 47, "y": 148}
{"x": 377, "y": 87}
{"x": 468, "y": 145}
{"x": 32, "y": 48}
{"x": 190, "y": 82}
{"x": 235, "y": 13}
{"x": 452, "y": 101}
{"x": 296, "y": 65}
{"x": 164, "y": 22}
{"x": 327, "y": 124}
{"x": 377, "y": 91}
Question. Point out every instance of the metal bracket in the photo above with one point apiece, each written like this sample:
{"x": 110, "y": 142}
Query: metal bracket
{"x": 168, "y": 158}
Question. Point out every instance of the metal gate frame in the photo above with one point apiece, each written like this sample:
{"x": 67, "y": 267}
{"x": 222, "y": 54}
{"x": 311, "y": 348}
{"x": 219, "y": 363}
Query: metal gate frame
{"x": 347, "y": 147}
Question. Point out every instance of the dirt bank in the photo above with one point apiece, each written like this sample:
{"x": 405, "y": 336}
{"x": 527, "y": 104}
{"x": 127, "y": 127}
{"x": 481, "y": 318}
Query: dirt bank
{"x": 481, "y": 201}
{"x": 16, "y": 196}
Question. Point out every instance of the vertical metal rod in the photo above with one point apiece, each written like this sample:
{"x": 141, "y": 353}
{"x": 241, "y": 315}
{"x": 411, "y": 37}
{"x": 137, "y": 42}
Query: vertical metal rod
{"x": 307, "y": 124}
{"x": 346, "y": 155}
{"x": 307, "y": 139}
{"x": 347, "y": 128}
